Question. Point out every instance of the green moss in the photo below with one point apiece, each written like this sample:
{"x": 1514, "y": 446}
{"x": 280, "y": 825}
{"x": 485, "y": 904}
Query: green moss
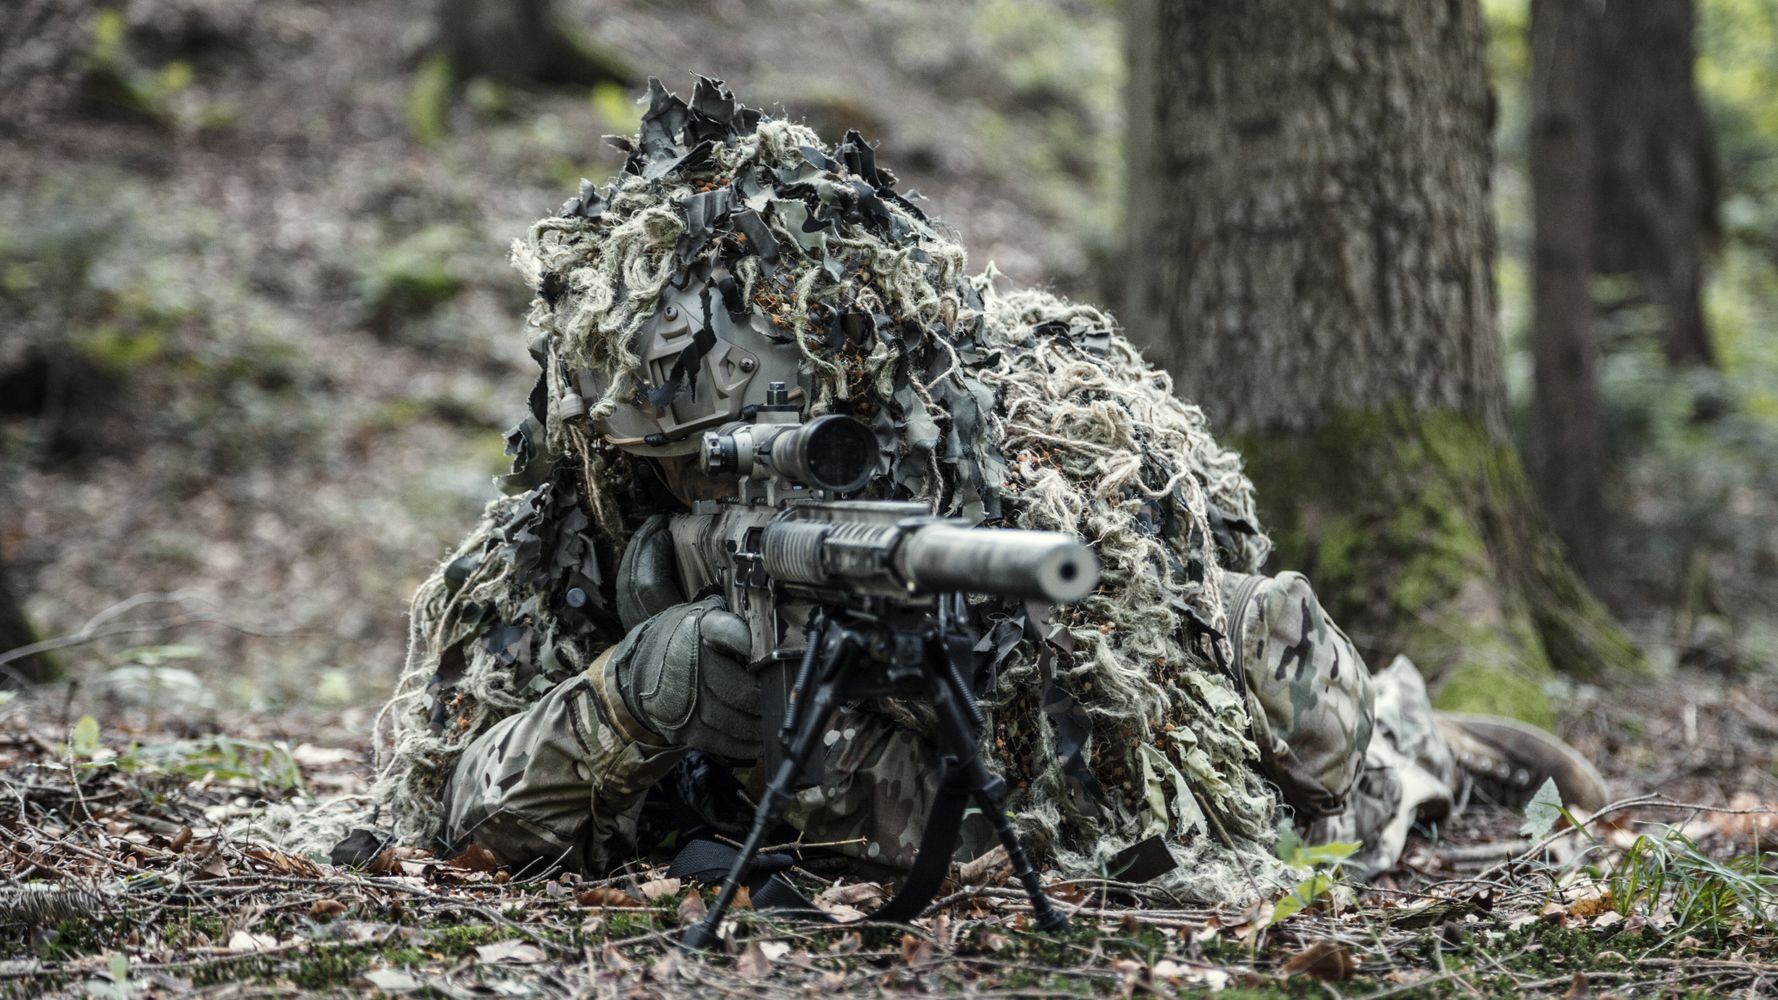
{"x": 413, "y": 277}
{"x": 1418, "y": 533}
{"x": 1494, "y": 691}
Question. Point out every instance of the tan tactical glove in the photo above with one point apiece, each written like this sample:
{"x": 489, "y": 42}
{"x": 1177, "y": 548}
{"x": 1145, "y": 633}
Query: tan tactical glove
{"x": 683, "y": 674}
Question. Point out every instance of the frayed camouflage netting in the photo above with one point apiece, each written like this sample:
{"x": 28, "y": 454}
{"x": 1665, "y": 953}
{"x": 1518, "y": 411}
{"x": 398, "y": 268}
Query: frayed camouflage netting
{"x": 1117, "y": 723}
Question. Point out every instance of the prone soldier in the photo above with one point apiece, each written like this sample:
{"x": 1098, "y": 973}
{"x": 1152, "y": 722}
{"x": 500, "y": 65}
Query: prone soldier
{"x": 585, "y": 673}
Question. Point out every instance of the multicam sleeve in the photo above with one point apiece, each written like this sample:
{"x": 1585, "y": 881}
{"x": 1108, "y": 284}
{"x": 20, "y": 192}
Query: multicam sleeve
{"x": 561, "y": 782}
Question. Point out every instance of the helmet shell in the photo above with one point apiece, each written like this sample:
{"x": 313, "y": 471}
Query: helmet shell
{"x": 687, "y": 382}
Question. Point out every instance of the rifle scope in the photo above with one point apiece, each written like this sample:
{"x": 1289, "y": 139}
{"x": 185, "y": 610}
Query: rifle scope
{"x": 833, "y": 453}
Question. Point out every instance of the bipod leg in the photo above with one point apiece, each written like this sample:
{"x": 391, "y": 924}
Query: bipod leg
{"x": 959, "y": 717}
{"x": 814, "y": 717}
{"x": 990, "y": 795}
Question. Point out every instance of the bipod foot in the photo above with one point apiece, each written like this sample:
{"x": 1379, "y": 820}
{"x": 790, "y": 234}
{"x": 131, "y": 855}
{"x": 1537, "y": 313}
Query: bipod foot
{"x": 1051, "y": 920}
{"x": 699, "y": 937}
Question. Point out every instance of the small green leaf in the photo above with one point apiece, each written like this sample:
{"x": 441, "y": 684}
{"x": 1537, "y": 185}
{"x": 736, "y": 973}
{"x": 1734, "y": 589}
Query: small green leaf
{"x": 86, "y": 737}
{"x": 1542, "y": 811}
{"x": 1329, "y": 853}
{"x": 1301, "y": 897}
{"x": 1289, "y": 846}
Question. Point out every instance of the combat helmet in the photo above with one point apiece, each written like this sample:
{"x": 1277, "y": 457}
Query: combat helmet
{"x": 697, "y": 367}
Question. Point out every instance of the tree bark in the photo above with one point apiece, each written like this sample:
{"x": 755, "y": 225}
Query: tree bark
{"x": 1568, "y": 442}
{"x": 521, "y": 42}
{"x": 1311, "y": 253}
{"x": 16, "y": 632}
{"x": 1655, "y": 168}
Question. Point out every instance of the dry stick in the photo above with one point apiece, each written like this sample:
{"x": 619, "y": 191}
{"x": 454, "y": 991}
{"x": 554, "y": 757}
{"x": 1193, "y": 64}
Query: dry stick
{"x": 97, "y": 628}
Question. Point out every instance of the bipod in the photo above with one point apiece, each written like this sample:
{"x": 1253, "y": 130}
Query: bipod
{"x": 898, "y": 652}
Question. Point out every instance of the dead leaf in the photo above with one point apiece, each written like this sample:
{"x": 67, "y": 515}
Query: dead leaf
{"x": 915, "y": 950}
{"x": 180, "y": 839}
{"x": 1578, "y": 988}
{"x": 1169, "y": 970}
{"x": 847, "y": 945}
{"x": 753, "y": 962}
{"x": 847, "y": 901}
{"x": 692, "y": 908}
{"x": 1590, "y": 906}
{"x": 1327, "y": 960}
{"x": 607, "y": 896}
{"x": 326, "y": 909}
{"x": 992, "y": 868}
{"x": 1071, "y": 892}
{"x": 475, "y": 858}
{"x": 1180, "y": 974}
{"x": 614, "y": 959}
{"x": 743, "y": 900}
{"x": 1132, "y": 973}
{"x": 285, "y": 864}
{"x": 852, "y": 894}
{"x": 309, "y": 755}
{"x": 386, "y": 863}
{"x": 664, "y": 968}
{"x": 391, "y": 980}
{"x": 248, "y": 941}
{"x": 658, "y": 889}
{"x": 510, "y": 950}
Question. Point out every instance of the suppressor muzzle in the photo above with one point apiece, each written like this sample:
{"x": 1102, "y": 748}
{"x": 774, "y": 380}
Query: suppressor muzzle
{"x": 1030, "y": 565}
{"x": 931, "y": 559}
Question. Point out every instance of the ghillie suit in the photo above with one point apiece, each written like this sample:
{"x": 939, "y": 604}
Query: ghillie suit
{"x": 1117, "y": 720}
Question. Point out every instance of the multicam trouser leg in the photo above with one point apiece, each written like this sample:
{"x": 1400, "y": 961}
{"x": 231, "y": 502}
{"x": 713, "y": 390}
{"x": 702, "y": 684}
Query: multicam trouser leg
{"x": 563, "y": 783}
{"x": 1355, "y": 752}
{"x": 879, "y": 784}
{"x": 1409, "y": 775}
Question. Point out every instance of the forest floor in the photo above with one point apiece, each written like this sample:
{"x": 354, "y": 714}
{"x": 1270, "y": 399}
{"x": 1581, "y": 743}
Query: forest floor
{"x": 125, "y": 881}
{"x": 257, "y": 347}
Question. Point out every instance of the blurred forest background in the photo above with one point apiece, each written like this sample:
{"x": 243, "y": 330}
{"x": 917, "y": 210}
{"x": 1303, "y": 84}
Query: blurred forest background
{"x": 258, "y": 340}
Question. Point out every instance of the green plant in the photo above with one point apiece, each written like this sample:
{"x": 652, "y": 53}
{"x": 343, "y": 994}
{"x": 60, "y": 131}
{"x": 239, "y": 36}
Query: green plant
{"x": 1323, "y": 862}
{"x": 412, "y": 277}
{"x": 1669, "y": 873}
{"x": 269, "y": 765}
{"x": 428, "y": 100}
{"x": 115, "y": 80}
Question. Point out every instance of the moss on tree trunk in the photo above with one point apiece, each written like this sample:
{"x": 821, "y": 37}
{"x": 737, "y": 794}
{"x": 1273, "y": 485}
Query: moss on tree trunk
{"x": 1311, "y": 248}
{"x": 1414, "y": 529}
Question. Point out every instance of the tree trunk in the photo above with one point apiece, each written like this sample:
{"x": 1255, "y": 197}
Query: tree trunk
{"x": 521, "y": 42}
{"x": 15, "y": 633}
{"x": 1655, "y": 169}
{"x": 1569, "y": 444}
{"x": 1311, "y": 255}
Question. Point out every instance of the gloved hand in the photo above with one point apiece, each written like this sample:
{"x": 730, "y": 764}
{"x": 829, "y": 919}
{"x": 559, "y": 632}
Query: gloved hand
{"x": 647, "y": 580}
{"x": 683, "y": 674}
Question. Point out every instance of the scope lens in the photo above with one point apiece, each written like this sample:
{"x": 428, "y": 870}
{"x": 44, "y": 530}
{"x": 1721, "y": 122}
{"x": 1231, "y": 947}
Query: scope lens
{"x": 836, "y": 453}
